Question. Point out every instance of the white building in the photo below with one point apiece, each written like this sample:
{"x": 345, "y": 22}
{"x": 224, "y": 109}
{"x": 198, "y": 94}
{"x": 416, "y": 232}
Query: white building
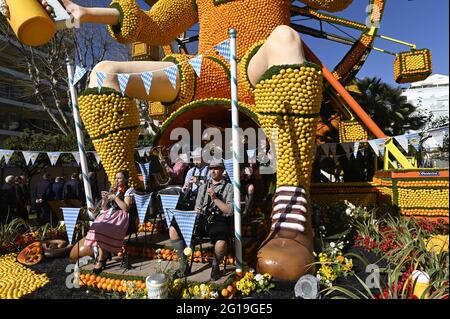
{"x": 430, "y": 95}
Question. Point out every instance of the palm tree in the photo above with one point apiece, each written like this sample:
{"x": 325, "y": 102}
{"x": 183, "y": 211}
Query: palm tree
{"x": 387, "y": 106}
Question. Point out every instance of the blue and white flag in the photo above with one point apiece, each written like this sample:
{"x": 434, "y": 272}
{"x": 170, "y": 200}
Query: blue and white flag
{"x": 70, "y": 220}
{"x": 355, "y": 149}
{"x": 30, "y": 156}
{"x": 79, "y": 73}
{"x": 326, "y": 149}
{"x": 171, "y": 73}
{"x": 168, "y": 203}
{"x": 6, "y": 154}
{"x": 123, "y": 82}
{"x": 403, "y": 141}
{"x": 76, "y": 156}
{"x": 196, "y": 64}
{"x": 378, "y": 146}
{"x": 186, "y": 222}
{"x": 251, "y": 155}
{"x": 145, "y": 170}
{"x": 229, "y": 168}
{"x": 414, "y": 140}
{"x": 223, "y": 49}
{"x": 142, "y": 203}
{"x": 53, "y": 157}
{"x": 347, "y": 147}
{"x": 333, "y": 149}
{"x": 97, "y": 157}
{"x": 101, "y": 76}
{"x": 147, "y": 80}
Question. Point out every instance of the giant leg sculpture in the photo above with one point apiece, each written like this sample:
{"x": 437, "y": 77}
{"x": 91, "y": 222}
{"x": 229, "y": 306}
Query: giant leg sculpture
{"x": 288, "y": 100}
{"x": 112, "y": 121}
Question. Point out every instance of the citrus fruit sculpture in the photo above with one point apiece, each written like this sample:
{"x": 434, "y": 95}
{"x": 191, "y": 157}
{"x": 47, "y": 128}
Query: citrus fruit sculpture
{"x": 283, "y": 89}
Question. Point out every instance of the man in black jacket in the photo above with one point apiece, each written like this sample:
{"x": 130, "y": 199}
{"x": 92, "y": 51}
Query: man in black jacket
{"x": 8, "y": 200}
{"x": 43, "y": 193}
{"x": 72, "y": 189}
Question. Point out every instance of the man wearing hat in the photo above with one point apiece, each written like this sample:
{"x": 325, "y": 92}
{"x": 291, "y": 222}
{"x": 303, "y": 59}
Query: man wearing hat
{"x": 215, "y": 203}
{"x": 197, "y": 173}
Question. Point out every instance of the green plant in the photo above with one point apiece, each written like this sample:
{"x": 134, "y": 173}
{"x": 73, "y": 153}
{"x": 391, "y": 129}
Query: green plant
{"x": 10, "y": 232}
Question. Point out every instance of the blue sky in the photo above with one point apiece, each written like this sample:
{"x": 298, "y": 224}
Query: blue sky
{"x": 421, "y": 22}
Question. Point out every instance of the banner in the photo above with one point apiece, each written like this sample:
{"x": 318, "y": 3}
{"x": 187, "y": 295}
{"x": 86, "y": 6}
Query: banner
{"x": 223, "y": 49}
{"x": 347, "y": 147}
{"x": 333, "y": 149}
{"x": 145, "y": 170}
{"x": 70, "y": 220}
{"x": 101, "y": 76}
{"x": 326, "y": 149}
{"x": 147, "y": 80}
{"x": 30, "y": 156}
{"x": 171, "y": 73}
{"x": 355, "y": 149}
{"x": 186, "y": 222}
{"x": 123, "y": 82}
{"x": 402, "y": 141}
{"x": 53, "y": 157}
{"x": 78, "y": 75}
{"x": 142, "y": 203}
{"x": 97, "y": 157}
{"x": 76, "y": 156}
{"x": 414, "y": 140}
{"x": 196, "y": 64}
{"x": 6, "y": 154}
{"x": 378, "y": 146}
{"x": 169, "y": 202}
{"x": 229, "y": 168}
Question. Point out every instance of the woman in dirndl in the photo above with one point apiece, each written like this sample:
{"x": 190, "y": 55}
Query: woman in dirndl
{"x": 110, "y": 227}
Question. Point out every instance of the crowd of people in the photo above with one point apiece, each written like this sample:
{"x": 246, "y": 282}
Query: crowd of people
{"x": 18, "y": 201}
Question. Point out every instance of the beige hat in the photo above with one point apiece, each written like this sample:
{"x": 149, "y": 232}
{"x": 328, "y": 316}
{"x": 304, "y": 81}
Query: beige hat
{"x": 217, "y": 163}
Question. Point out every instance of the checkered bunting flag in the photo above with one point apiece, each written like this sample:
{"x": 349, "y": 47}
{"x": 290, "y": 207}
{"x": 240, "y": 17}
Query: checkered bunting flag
{"x": 355, "y": 149}
{"x": 79, "y": 73}
{"x": 196, "y": 64}
{"x": 30, "y": 157}
{"x": 53, "y": 157}
{"x": 186, "y": 222}
{"x": 171, "y": 73}
{"x": 147, "y": 80}
{"x": 70, "y": 220}
{"x": 142, "y": 203}
{"x": 76, "y": 156}
{"x": 168, "y": 203}
{"x": 403, "y": 141}
{"x": 123, "y": 82}
{"x": 224, "y": 49}
{"x": 6, "y": 154}
{"x": 145, "y": 170}
{"x": 229, "y": 168}
{"x": 378, "y": 146}
{"x": 414, "y": 140}
{"x": 101, "y": 76}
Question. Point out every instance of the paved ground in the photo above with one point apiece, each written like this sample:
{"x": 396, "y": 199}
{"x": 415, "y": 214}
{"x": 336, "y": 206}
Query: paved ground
{"x": 59, "y": 270}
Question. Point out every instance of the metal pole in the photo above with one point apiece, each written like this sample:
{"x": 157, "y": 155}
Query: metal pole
{"x": 236, "y": 146}
{"x": 80, "y": 137}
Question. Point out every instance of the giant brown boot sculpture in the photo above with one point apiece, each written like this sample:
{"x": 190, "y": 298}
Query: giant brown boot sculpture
{"x": 288, "y": 100}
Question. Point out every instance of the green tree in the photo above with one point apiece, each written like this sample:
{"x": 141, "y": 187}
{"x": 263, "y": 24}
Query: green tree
{"x": 388, "y": 107}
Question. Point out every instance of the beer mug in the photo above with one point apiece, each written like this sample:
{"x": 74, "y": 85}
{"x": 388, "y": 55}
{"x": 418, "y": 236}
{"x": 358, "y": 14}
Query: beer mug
{"x": 31, "y": 23}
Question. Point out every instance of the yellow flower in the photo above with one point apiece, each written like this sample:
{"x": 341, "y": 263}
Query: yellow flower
{"x": 187, "y": 251}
